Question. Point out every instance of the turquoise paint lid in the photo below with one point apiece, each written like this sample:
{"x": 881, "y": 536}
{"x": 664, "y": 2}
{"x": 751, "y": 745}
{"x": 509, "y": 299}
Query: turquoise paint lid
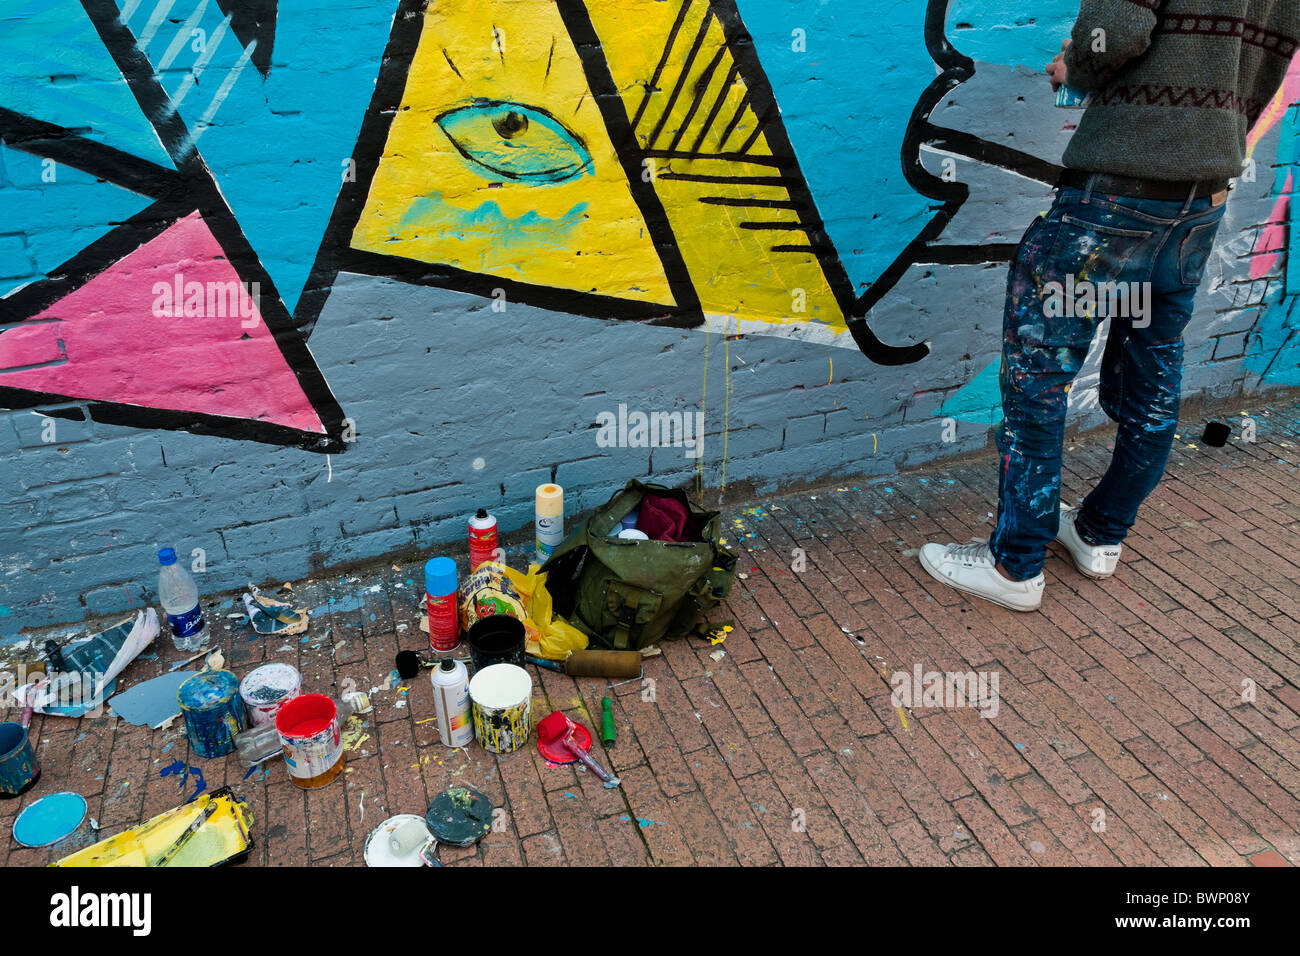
{"x": 50, "y": 819}
{"x": 440, "y": 577}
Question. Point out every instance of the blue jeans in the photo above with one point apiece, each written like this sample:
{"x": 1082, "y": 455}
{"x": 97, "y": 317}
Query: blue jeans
{"x": 1140, "y": 261}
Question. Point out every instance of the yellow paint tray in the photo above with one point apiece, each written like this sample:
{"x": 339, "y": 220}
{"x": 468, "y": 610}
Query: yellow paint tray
{"x": 210, "y": 830}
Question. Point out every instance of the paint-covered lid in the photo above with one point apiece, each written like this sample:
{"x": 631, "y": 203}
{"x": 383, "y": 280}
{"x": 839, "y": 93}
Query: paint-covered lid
{"x": 270, "y": 683}
{"x": 500, "y": 686}
{"x": 50, "y": 819}
{"x": 440, "y": 576}
{"x": 207, "y": 689}
{"x": 460, "y": 816}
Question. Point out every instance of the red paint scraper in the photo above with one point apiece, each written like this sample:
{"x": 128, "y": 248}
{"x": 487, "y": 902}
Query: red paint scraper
{"x": 559, "y": 729}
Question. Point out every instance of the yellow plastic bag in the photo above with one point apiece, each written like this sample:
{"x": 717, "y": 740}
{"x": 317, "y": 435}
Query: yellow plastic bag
{"x": 546, "y": 635}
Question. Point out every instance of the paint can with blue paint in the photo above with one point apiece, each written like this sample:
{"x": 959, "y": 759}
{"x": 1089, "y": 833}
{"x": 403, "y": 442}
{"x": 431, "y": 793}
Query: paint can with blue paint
{"x": 18, "y": 767}
{"x": 214, "y": 712}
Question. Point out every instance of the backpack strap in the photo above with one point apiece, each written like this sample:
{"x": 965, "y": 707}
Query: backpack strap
{"x": 627, "y": 617}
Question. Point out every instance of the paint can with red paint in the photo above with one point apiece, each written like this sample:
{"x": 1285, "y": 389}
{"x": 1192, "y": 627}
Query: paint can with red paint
{"x": 313, "y": 744}
{"x": 440, "y": 598}
{"x": 482, "y": 539}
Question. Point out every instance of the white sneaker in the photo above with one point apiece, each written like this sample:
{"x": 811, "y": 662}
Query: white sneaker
{"x": 1094, "y": 561}
{"x": 971, "y": 568}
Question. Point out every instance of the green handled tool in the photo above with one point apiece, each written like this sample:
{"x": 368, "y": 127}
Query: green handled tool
{"x": 607, "y": 732}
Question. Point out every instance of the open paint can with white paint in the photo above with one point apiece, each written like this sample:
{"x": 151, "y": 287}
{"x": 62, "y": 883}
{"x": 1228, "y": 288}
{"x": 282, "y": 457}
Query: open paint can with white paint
{"x": 267, "y": 689}
{"x": 501, "y": 697}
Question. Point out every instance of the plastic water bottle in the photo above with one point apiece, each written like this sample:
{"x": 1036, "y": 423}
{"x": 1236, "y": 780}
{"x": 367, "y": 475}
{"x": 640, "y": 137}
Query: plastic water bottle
{"x": 180, "y": 600}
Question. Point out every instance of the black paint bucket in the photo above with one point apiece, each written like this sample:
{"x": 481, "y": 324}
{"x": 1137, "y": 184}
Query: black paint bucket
{"x": 498, "y": 639}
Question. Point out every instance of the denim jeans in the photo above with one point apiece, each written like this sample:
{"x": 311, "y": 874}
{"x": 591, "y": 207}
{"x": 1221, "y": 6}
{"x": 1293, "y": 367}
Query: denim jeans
{"x": 1094, "y": 256}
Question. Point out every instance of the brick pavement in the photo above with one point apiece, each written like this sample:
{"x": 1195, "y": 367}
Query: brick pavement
{"x": 1121, "y": 737}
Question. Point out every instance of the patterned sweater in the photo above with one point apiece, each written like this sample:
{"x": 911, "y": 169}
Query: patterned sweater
{"x": 1178, "y": 83}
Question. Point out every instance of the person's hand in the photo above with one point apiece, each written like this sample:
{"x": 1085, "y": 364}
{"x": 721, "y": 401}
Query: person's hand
{"x": 1056, "y": 69}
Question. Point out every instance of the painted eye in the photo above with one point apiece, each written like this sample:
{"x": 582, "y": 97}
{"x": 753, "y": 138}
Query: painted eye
{"x": 517, "y": 142}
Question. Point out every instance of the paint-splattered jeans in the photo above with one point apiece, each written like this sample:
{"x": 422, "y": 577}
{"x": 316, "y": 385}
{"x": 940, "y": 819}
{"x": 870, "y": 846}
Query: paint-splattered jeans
{"x": 1140, "y": 261}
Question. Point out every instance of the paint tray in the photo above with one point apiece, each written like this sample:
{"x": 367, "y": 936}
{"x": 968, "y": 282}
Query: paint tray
{"x": 209, "y": 831}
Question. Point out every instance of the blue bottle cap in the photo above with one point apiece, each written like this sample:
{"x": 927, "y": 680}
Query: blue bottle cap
{"x": 440, "y": 576}
{"x": 167, "y": 556}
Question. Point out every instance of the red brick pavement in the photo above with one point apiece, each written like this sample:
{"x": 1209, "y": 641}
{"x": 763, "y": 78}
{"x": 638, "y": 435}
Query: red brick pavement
{"x": 1122, "y": 735}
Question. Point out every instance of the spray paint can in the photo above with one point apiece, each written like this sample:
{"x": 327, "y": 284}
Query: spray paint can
{"x": 482, "y": 539}
{"x": 548, "y": 519}
{"x": 440, "y": 597}
{"x": 1071, "y": 98}
{"x": 451, "y": 702}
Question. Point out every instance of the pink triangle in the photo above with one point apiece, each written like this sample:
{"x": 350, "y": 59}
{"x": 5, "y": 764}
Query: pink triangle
{"x": 1272, "y": 239}
{"x": 126, "y": 340}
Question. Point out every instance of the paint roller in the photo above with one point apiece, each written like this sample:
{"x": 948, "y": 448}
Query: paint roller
{"x": 612, "y": 664}
{"x": 559, "y": 728}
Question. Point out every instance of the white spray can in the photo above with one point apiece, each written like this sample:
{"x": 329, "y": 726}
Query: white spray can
{"x": 451, "y": 702}
{"x": 549, "y": 520}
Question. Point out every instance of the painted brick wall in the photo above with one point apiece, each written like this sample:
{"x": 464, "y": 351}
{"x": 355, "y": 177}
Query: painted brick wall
{"x": 414, "y": 353}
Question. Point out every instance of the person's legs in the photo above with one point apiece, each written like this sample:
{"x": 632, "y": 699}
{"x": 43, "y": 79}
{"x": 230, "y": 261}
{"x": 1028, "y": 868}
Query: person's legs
{"x": 1084, "y": 242}
{"x": 1141, "y": 379}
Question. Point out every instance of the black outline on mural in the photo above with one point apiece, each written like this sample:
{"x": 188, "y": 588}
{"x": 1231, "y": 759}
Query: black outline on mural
{"x": 955, "y": 69}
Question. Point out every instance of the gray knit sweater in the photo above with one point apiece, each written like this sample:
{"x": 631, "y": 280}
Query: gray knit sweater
{"x": 1179, "y": 83}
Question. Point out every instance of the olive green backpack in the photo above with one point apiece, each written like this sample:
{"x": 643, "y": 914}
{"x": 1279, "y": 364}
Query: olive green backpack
{"x": 628, "y": 594}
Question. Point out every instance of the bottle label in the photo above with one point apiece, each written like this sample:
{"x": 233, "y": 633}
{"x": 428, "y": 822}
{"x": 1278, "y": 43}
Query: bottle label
{"x": 444, "y": 622}
{"x": 191, "y": 622}
{"x": 482, "y": 546}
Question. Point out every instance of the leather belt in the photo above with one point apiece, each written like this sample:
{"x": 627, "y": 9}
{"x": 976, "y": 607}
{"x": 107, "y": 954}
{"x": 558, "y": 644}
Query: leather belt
{"x": 1141, "y": 188}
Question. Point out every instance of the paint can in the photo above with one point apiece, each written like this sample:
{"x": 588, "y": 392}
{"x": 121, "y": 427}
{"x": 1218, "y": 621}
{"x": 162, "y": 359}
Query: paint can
{"x": 266, "y": 689}
{"x": 308, "y": 727}
{"x": 501, "y": 698}
{"x": 214, "y": 712}
{"x": 18, "y": 767}
{"x": 498, "y": 639}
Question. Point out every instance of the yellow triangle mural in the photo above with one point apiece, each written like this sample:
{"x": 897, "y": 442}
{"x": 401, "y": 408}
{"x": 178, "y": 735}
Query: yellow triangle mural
{"x": 739, "y": 230}
{"x": 498, "y": 161}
